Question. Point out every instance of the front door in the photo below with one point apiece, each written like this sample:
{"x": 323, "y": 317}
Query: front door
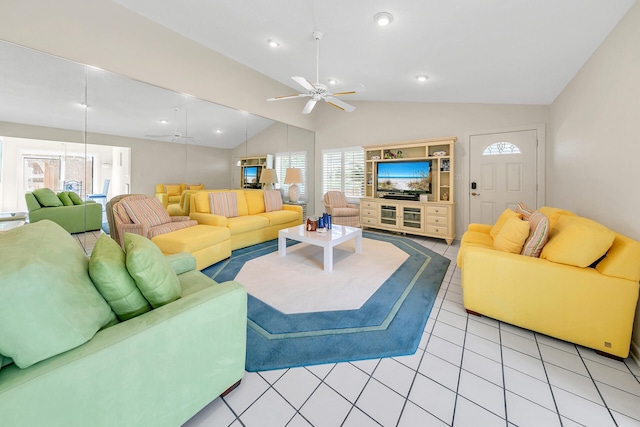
{"x": 502, "y": 172}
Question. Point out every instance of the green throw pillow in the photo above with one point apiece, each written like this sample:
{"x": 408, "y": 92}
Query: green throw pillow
{"x": 46, "y": 197}
{"x": 65, "y": 199}
{"x": 75, "y": 198}
{"x": 48, "y": 304}
{"x": 150, "y": 269}
{"x": 108, "y": 270}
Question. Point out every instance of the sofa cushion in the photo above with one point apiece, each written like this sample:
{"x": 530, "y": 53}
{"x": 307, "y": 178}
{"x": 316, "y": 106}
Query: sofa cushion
{"x": 512, "y": 236}
{"x": 255, "y": 201}
{"x": 538, "y": 234}
{"x": 170, "y": 227}
{"x": 172, "y": 190}
{"x": 554, "y": 214}
{"x": 577, "y": 241}
{"x": 46, "y": 197}
{"x": 65, "y": 199}
{"x": 151, "y": 271}
{"x": 243, "y": 224}
{"x": 281, "y": 217}
{"x": 195, "y": 186}
{"x": 148, "y": 211}
{"x": 502, "y": 219}
{"x": 48, "y": 303}
{"x": 524, "y": 210}
{"x": 224, "y": 203}
{"x": 622, "y": 259}
{"x": 272, "y": 200}
{"x": 75, "y": 198}
{"x": 108, "y": 270}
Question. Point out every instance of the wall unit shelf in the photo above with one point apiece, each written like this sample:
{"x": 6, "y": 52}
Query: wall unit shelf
{"x": 433, "y": 213}
{"x": 251, "y": 169}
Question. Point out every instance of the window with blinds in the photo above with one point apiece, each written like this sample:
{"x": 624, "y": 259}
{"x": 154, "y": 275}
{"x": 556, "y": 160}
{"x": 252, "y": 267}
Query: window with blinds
{"x": 343, "y": 170}
{"x": 297, "y": 160}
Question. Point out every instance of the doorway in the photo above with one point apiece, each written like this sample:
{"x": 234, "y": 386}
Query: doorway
{"x": 505, "y": 167}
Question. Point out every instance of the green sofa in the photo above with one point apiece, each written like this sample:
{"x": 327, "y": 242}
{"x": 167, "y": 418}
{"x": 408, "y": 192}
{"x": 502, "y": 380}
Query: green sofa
{"x": 157, "y": 368}
{"x": 74, "y": 218}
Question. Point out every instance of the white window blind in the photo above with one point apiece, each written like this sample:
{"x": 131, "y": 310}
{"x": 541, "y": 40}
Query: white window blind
{"x": 343, "y": 170}
{"x": 297, "y": 160}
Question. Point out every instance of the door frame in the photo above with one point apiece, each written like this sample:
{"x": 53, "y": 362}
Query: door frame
{"x": 540, "y": 164}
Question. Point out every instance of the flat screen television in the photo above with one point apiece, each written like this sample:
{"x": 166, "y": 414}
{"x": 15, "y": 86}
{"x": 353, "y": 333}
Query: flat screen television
{"x": 404, "y": 176}
{"x": 251, "y": 177}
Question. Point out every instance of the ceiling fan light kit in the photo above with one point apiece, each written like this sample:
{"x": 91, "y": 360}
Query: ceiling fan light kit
{"x": 317, "y": 91}
{"x": 383, "y": 19}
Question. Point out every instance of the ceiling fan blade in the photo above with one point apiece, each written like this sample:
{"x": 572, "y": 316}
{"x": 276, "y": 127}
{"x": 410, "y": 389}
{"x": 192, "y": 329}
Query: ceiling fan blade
{"x": 339, "y": 104}
{"x": 278, "y": 98}
{"x": 359, "y": 89}
{"x": 160, "y": 136}
{"x": 310, "y": 104}
{"x": 304, "y": 83}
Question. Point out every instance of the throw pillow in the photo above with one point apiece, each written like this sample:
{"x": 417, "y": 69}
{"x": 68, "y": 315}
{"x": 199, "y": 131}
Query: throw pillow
{"x": 538, "y": 234}
{"x": 255, "y": 201}
{"x": 46, "y": 197}
{"x": 523, "y": 210}
{"x": 502, "y": 219}
{"x": 272, "y": 200}
{"x": 65, "y": 199}
{"x": 75, "y": 198}
{"x": 173, "y": 190}
{"x": 148, "y": 211}
{"x": 151, "y": 270}
{"x": 224, "y": 203}
{"x": 196, "y": 187}
{"x": 577, "y": 241}
{"x": 48, "y": 304}
{"x": 108, "y": 270}
{"x": 512, "y": 236}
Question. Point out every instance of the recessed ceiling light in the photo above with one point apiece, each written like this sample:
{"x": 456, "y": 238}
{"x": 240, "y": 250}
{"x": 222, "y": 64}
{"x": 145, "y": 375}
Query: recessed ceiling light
{"x": 332, "y": 81}
{"x": 383, "y": 19}
{"x": 163, "y": 121}
{"x": 218, "y": 131}
{"x": 273, "y": 43}
{"x": 422, "y": 78}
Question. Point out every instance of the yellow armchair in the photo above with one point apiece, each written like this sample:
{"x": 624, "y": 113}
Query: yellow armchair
{"x": 169, "y": 194}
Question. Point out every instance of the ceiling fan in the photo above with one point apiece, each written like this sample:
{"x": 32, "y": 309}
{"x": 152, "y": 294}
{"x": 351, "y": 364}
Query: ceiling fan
{"x": 175, "y": 136}
{"x": 317, "y": 91}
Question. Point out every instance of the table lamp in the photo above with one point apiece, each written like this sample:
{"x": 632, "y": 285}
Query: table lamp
{"x": 268, "y": 177}
{"x": 293, "y": 177}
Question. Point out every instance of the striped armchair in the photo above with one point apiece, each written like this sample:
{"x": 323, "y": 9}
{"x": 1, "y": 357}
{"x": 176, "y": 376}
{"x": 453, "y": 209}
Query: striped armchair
{"x": 342, "y": 213}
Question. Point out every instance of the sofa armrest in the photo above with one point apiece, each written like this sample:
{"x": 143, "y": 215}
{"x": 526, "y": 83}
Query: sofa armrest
{"x": 209, "y": 219}
{"x": 180, "y": 218}
{"x": 181, "y": 262}
{"x": 483, "y": 228}
{"x": 164, "y": 365}
{"x": 164, "y": 199}
{"x": 139, "y": 229}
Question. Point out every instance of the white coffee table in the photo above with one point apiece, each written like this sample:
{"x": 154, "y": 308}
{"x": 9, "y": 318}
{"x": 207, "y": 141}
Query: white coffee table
{"x": 328, "y": 240}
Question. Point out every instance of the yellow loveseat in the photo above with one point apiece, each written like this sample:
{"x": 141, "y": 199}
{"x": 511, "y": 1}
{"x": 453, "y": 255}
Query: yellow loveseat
{"x": 583, "y": 287}
{"x": 253, "y": 224}
{"x": 169, "y": 194}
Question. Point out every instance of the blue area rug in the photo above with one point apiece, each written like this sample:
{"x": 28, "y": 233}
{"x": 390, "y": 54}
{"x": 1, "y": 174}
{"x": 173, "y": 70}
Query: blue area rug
{"x": 389, "y": 324}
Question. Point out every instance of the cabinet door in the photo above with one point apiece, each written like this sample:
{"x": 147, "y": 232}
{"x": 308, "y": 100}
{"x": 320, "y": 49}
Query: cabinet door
{"x": 388, "y": 215}
{"x": 413, "y": 218}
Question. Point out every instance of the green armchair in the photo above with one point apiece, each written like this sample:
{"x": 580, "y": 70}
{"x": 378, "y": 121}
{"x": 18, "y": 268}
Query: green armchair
{"x": 73, "y": 218}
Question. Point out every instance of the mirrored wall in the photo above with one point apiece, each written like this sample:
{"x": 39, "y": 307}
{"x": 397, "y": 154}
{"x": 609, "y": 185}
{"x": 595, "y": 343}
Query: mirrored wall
{"x": 64, "y": 123}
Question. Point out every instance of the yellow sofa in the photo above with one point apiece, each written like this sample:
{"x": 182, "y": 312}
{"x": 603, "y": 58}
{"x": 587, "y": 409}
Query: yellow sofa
{"x": 169, "y": 194}
{"x": 570, "y": 292}
{"x": 253, "y": 224}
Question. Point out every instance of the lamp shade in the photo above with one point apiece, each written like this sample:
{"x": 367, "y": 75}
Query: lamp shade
{"x": 268, "y": 176}
{"x": 293, "y": 176}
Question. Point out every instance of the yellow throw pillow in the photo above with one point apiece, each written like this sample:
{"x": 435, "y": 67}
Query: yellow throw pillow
{"x": 554, "y": 214}
{"x": 577, "y": 241}
{"x": 173, "y": 190}
{"x": 504, "y": 216}
{"x": 512, "y": 236}
{"x": 196, "y": 187}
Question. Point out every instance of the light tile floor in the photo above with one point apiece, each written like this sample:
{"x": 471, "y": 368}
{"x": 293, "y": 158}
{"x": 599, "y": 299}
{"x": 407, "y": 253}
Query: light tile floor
{"x": 467, "y": 371}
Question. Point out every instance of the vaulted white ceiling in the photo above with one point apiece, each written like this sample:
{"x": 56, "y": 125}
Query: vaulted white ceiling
{"x": 480, "y": 51}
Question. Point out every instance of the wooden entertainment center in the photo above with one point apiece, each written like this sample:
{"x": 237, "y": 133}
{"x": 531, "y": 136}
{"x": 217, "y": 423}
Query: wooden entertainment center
{"x": 431, "y": 213}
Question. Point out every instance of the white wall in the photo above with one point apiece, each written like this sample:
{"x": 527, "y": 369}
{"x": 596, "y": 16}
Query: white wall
{"x": 386, "y": 122}
{"x": 592, "y": 161}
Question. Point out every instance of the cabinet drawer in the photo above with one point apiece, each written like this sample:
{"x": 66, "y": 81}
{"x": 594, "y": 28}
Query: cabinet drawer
{"x": 437, "y": 210}
{"x": 438, "y": 230}
{"x": 437, "y": 220}
{"x": 368, "y": 205}
{"x": 369, "y": 212}
{"x": 368, "y": 220}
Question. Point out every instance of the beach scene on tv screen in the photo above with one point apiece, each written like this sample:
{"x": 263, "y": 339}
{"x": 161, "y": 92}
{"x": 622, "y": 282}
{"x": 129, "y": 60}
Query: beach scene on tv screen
{"x": 404, "y": 176}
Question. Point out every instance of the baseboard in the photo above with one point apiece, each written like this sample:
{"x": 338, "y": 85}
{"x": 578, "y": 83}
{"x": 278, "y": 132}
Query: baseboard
{"x": 635, "y": 352}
